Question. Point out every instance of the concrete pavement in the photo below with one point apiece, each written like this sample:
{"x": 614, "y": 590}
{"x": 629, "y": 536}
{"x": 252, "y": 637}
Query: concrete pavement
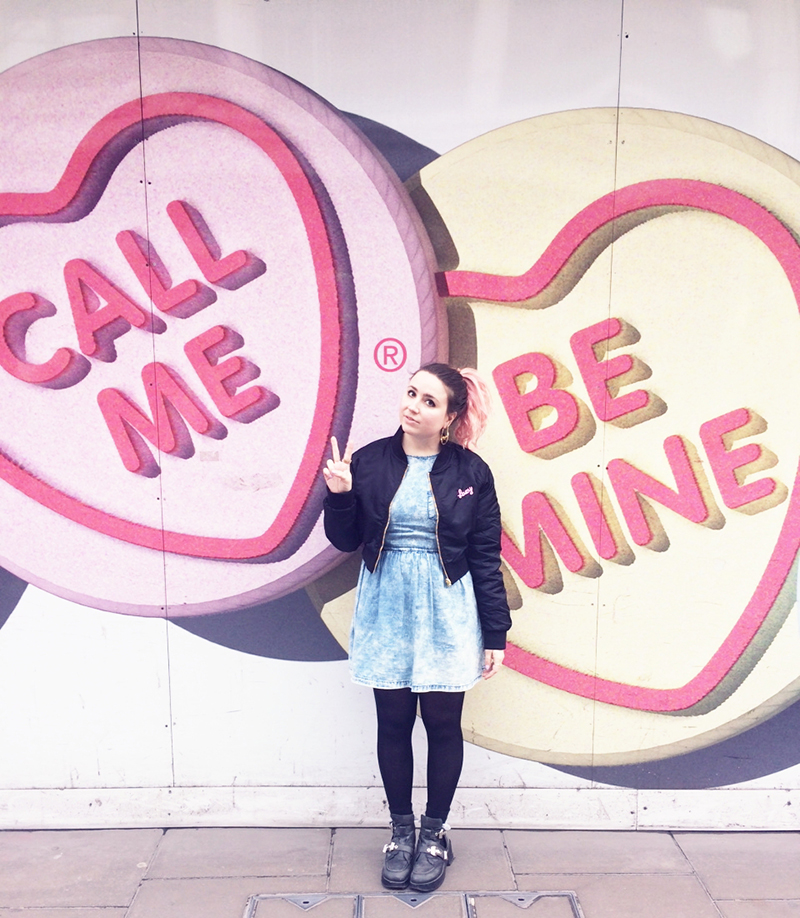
{"x": 334, "y": 873}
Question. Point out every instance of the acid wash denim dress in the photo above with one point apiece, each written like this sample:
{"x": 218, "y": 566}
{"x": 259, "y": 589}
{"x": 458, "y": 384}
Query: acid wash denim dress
{"x": 411, "y": 630}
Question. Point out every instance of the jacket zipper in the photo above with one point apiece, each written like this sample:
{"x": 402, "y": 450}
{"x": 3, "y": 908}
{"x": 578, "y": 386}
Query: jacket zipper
{"x": 438, "y": 546}
{"x": 389, "y": 517}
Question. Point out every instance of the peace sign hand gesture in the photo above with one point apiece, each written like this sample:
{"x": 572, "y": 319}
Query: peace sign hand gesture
{"x": 337, "y": 474}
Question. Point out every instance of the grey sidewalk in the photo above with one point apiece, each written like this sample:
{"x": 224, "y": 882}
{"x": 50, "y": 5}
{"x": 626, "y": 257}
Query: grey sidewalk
{"x": 217, "y": 872}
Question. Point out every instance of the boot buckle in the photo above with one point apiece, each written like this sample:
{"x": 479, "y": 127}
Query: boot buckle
{"x": 436, "y": 851}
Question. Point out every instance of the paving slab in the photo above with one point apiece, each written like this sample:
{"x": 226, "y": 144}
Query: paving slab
{"x": 745, "y": 865}
{"x": 357, "y": 859}
{"x": 630, "y": 895}
{"x": 242, "y": 852}
{"x": 481, "y": 861}
{"x": 291, "y": 886}
{"x": 221, "y": 897}
{"x": 74, "y": 868}
{"x": 760, "y": 908}
{"x": 62, "y": 913}
{"x": 594, "y": 852}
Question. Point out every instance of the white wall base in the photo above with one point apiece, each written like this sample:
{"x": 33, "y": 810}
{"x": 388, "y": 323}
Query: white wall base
{"x": 515, "y": 808}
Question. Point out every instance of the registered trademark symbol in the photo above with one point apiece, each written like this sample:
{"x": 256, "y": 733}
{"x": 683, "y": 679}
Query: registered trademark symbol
{"x": 390, "y": 354}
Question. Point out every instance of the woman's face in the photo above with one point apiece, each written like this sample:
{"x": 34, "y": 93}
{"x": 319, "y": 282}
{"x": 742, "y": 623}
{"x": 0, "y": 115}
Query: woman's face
{"x": 423, "y": 408}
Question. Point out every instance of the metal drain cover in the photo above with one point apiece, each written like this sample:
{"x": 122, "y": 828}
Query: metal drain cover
{"x": 543, "y": 904}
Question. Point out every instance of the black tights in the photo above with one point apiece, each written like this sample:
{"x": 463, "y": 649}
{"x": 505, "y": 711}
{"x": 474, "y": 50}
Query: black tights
{"x": 441, "y": 714}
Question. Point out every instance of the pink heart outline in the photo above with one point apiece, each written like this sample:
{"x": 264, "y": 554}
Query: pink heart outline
{"x": 635, "y": 201}
{"x": 77, "y": 192}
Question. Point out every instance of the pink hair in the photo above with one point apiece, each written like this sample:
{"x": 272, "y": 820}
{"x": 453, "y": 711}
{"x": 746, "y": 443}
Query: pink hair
{"x": 471, "y": 424}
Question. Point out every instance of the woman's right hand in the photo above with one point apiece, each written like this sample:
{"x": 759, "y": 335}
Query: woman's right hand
{"x": 337, "y": 473}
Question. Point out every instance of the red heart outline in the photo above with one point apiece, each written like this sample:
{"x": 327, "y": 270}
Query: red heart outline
{"x": 77, "y": 192}
{"x": 656, "y": 197}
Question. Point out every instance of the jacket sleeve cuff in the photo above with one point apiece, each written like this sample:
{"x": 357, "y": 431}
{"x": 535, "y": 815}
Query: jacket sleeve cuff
{"x": 494, "y": 640}
{"x": 340, "y": 500}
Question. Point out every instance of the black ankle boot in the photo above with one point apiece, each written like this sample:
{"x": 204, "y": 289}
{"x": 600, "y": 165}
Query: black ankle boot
{"x": 399, "y": 853}
{"x": 434, "y": 854}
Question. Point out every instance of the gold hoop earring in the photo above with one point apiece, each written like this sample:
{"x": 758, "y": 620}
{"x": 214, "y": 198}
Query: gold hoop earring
{"x": 444, "y": 436}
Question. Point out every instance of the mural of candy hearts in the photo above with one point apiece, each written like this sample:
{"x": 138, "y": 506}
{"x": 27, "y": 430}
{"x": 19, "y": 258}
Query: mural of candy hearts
{"x": 199, "y": 286}
{"x": 639, "y": 318}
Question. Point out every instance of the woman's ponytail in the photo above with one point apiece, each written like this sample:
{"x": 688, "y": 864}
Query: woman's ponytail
{"x": 470, "y": 425}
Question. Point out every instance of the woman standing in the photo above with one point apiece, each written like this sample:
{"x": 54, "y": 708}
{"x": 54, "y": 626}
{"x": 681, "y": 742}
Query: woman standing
{"x": 431, "y": 612}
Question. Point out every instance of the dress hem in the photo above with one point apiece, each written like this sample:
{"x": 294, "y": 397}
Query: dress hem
{"x": 416, "y": 688}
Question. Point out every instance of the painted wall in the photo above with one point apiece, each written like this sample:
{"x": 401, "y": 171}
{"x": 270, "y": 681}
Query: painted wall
{"x": 599, "y": 211}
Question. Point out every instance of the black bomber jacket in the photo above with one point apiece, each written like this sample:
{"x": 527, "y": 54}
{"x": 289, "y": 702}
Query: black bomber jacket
{"x": 467, "y": 528}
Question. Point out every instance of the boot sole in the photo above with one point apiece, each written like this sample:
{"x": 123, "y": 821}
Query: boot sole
{"x": 428, "y": 887}
{"x": 389, "y": 885}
